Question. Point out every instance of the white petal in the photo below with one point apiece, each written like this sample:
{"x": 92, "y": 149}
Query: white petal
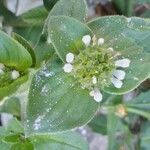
{"x": 1, "y": 72}
{"x": 2, "y": 66}
{"x": 86, "y": 40}
{"x": 110, "y": 49}
{"x": 69, "y": 57}
{"x": 97, "y": 95}
{"x": 100, "y": 41}
{"x": 119, "y": 74}
{"x": 68, "y": 68}
{"x": 94, "y": 80}
{"x": 15, "y": 74}
{"x": 92, "y": 93}
{"x": 123, "y": 63}
{"x": 117, "y": 83}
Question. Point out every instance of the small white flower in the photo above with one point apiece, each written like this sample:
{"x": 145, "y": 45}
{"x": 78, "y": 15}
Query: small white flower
{"x": 94, "y": 80}
{"x": 69, "y": 58}
{"x": 2, "y": 66}
{"x": 124, "y": 63}
{"x": 1, "y": 72}
{"x": 86, "y": 40}
{"x": 96, "y": 94}
{"x": 15, "y": 74}
{"x": 67, "y": 68}
{"x": 110, "y": 49}
{"x": 116, "y": 82}
{"x": 101, "y": 41}
{"x": 119, "y": 74}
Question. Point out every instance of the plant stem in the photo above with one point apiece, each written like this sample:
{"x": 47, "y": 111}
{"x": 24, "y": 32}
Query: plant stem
{"x": 138, "y": 112}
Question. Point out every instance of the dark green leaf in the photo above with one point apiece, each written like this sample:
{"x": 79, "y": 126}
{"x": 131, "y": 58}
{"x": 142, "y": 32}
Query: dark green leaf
{"x": 35, "y": 16}
{"x": 49, "y": 4}
{"x": 99, "y": 124}
{"x": 56, "y": 102}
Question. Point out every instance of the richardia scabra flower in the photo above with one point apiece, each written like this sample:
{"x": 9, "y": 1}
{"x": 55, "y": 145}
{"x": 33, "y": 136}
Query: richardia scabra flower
{"x": 96, "y": 66}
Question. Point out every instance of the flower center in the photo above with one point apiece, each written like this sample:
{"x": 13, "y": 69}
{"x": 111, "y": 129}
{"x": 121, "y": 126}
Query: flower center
{"x": 93, "y": 67}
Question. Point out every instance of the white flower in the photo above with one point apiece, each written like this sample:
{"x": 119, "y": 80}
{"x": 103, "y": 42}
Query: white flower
{"x": 15, "y": 74}
{"x": 86, "y": 40}
{"x": 96, "y": 94}
{"x": 110, "y": 49}
{"x": 67, "y": 68}
{"x": 1, "y": 72}
{"x": 69, "y": 58}
{"x": 124, "y": 63}
{"x": 119, "y": 74}
{"x": 94, "y": 80}
{"x": 116, "y": 82}
{"x": 2, "y": 66}
{"x": 101, "y": 41}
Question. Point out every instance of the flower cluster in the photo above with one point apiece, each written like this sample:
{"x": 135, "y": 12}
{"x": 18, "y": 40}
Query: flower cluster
{"x": 96, "y": 66}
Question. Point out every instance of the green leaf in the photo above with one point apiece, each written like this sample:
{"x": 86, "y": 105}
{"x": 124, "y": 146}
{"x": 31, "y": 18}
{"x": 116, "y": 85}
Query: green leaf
{"x": 145, "y": 136}
{"x": 44, "y": 51}
{"x": 11, "y": 105}
{"x": 72, "y": 8}
{"x": 31, "y": 34}
{"x": 26, "y": 45}
{"x": 99, "y": 124}
{"x": 49, "y": 4}
{"x": 11, "y": 88}
{"x": 66, "y": 141}
{"x": 22, "y": 146}
{"x": 66, "y": 35}
{"x": 142, "y": 101}
{"x": 35, "y": 16}
{"x": 57, "y": 102}
{"x": 13, "y": 54}
{"x": 118, "y": 33}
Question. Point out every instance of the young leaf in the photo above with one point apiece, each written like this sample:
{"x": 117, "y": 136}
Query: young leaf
{"x": 67, "y": 141}
{"x": 66, "y": 35}
{"x": 57, "y": 102}
{"x": 118, "y": 33}
{"x": 13, "y": 54}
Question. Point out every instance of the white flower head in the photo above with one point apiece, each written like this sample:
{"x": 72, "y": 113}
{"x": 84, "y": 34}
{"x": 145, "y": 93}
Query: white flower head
{"x": 94, "y": 80}
{"x": 96, "y": 94}
{"x": 1, "y": 72}
{"x": 116, "y": 82}
{"x": 2, "y": 66}
{"x": 86, "y": 40}
{"x": 15, "y": 74}
{"x": 69, "y": 57}
{"x": 124, "y": 63}
{"x": 119, "y": 74}
{"x": 67, "y": 68}
{"x": 110, "y": 49}
{"x": 101, "y": 41}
